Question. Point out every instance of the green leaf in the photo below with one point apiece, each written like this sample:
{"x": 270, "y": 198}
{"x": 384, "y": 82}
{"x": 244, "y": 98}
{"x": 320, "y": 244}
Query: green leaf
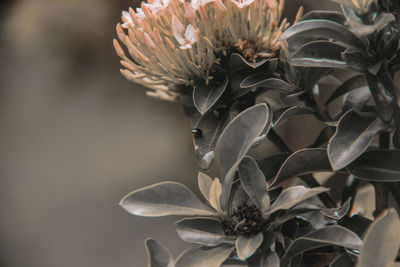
{"x": 357, "y": 99}
{"x": 268, "y": 259}
{"x": 347, "y": 86}
{"x": 206, "y": 95}
{"x": 293, "y": 196}
{"x": 322, "y": 54}
{"x": 377, "y": 165}
{"x": 381, "y": 242}
{"x": 162, "y": 199}
{"x": 246, "y": 246}
{"x": 337, "y": 213}
{"x": 325, "y": 14}
{"x": 198, "y": 257}
{"x": 238, "y": 62}
{"x": 211, "y": 126}
{"x": 385, "y": 103}
{"x": 301, "y": 162}
{"x": 236, "y": 140}
{"x": 328, "y": 236}
{"x": 325, "y": 29}
{"x": 353, "y": 135}
{"x": 270, "y": 165}
{"x": 157, "y": 254}
{"x": 287, "y": 112}
{"x": 342, "y": 260}
{"x": 200, "y": 230}
{"x": 253, "y": 182}
{"x": 268, "y": 82}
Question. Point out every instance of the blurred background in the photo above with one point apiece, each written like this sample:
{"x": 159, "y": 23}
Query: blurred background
{"x": 75, "y": 137}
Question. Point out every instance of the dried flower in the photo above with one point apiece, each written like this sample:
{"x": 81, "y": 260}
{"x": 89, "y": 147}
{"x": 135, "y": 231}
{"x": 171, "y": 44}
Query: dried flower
{"x": 174, "y": 43}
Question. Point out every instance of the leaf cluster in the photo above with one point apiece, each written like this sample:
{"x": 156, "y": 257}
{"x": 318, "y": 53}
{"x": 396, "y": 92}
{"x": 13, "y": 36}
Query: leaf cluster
{"x": 273, "y": 211}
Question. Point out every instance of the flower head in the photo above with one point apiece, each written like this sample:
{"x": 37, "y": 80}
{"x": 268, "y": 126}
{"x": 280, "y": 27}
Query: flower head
{"x": 171, "y": 44}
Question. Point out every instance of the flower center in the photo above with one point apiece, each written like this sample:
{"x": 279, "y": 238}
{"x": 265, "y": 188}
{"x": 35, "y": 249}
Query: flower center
{"x": 246, "y": 220}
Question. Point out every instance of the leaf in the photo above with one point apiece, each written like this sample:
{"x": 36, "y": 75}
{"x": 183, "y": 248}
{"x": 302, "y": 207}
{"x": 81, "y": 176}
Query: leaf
{"x": 215, "y": 194}
{"x": 328, "y": 236}
{"x": 323, "y": 54}
{"x": 381, "y": 242}
{"x": 199, "y": 230}
{"x": 211, "y": 126}
{"x": 270, "y": 165}
{"x": 237, "y": 62}
{"x": 246, "y": 246}
{"x": 268, "y": 259}
{"x": 377, "y": 165}
{"x": 204, "y": 183}
{"x": 162, "y": 199}
{"x": 293, "y": 196}
{"x": 311, "y": 76}
{"x": 206, "y": 95}
{"x": 268, "y": 82}
{"x": 357, "y": 99}
{"x": 236, "y": 140}
{"x": 356, "y": 223}
{"x": 157, "y": 254}
{"x": 322, "y": 138}
{"x": 353, "y": 135}
{"x": 325, "y": 14}
{"x": 337, "y": 213}
{"x": 342, "y": 260}
{"x": 301, "y": 162}
{"x": 357, "y": 60}
{"x": 253, "y": 182}
{"x": 360, "y": 28}
{"x": 385, "y": 104}
{"x": 198, "y": 257}
{"x": 323, "y": 28}
{"x": 347, "y": 86}
{"x": 287, "y": 112}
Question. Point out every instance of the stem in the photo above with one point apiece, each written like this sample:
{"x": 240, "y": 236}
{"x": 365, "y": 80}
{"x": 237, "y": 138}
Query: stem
{"x": 381, "y": 188}
{"x": 309, "y": 179}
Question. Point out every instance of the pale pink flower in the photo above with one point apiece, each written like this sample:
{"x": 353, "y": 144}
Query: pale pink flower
{"x": 172, "y": 43}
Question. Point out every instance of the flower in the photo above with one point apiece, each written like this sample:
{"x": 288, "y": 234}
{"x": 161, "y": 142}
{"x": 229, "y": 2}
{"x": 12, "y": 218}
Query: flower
{"x": 172, "y": 44}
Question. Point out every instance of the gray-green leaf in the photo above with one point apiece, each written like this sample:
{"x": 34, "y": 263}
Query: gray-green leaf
{"x": 166, "y": 198}
{"x": 206, "y": 95}
{"x": 236, "y": 140}
{"x": 253, "y": 182}
{"x": 246, "y": 246}
{"x": 157, "y": 254}
{"x": 268, "y": 259}
{"x": 328, "y": 236}
{"x": 204, "y": 231}
{"x": 381, "y": 242}
{"x": 353, "y": 135}
{"x": 198, "y": 257}
{"x": 293, "y": 196}
{"x": 301, "y": 162}
{"x": 377, "y": 165}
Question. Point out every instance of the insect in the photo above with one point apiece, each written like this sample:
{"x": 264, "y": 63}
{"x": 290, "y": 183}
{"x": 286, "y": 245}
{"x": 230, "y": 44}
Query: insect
{"x": 196, "y": 132}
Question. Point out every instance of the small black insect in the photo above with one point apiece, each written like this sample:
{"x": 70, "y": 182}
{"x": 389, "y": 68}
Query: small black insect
{"x": 196, "y": 132}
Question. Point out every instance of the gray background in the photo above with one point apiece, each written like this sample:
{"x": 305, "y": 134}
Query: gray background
{"x": 75, "y": 137}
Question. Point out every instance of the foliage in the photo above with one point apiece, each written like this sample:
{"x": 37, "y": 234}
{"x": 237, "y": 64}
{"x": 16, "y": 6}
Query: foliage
{"x": 273, "y": 211}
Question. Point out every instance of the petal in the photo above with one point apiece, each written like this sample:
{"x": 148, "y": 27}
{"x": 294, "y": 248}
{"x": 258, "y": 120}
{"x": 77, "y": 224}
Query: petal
{"x": 177, "y": 26}
{"x": 179, "y": 38}
{"x": 190, "y": 34}
{"x": 187, "y": 46}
